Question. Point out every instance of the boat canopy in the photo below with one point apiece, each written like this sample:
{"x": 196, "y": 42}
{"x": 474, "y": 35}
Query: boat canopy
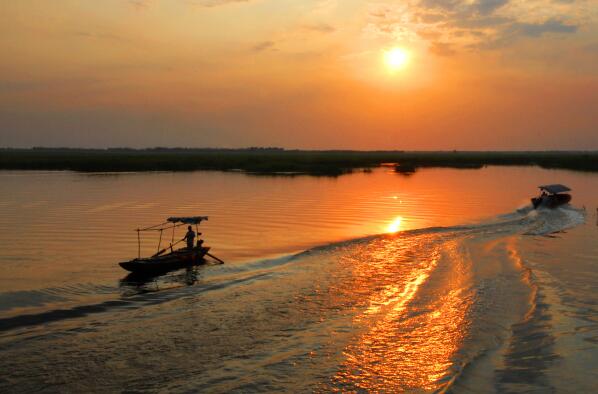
{"x": 187, "y": 219}
{"x": 554, "y": 189}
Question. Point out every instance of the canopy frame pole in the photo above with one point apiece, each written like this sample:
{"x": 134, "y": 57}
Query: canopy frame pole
{"x": 153, "y": 227}
{"x": 160, "y": 240}
{"x": 172, "y": 241}
{"x": 197, "y": 234}
{"x": 138, "y": 245}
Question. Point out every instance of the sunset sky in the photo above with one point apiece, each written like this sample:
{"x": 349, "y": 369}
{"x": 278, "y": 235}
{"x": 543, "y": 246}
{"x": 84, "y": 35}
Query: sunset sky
{"x": 316, "y": 74}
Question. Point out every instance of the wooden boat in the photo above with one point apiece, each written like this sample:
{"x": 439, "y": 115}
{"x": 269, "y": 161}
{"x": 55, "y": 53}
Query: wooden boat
{"x": 176, "y": 259}
{"x": 552, "y": 196}
{"x": 164, "y": 261}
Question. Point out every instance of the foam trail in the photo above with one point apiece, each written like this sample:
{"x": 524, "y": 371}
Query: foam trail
{"x": 408, "y": 311}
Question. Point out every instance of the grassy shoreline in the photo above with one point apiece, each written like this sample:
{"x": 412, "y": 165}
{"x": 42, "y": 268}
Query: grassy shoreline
{"x": 272, "y": 161}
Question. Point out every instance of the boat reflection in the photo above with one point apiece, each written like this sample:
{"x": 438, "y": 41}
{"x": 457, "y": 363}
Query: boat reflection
{"x": 135, "y": 283}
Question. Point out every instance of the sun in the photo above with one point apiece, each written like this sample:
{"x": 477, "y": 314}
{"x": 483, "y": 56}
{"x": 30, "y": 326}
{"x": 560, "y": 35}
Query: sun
{"x": 396, "y": 58}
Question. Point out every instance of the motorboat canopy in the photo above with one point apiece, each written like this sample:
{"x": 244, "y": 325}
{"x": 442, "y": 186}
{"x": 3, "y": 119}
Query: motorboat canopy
{"x": 552, "y": 196}
{"x": 554, "y": 189}
{"x": 188, "y": 219}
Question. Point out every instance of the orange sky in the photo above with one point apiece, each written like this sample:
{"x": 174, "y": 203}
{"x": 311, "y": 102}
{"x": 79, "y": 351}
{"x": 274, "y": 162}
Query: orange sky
{"x": 481, "y": 74}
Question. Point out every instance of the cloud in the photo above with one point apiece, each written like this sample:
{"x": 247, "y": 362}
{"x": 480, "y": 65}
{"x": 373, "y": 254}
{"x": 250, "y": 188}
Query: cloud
{"x": 429, "y": 34}
{"x": 549, "y": 26}
{"x": 299, "y": 32}
{"x": 143, "y": 4}
{"x": 446, "y": 5}
{"x": 320, "y": 28}
{"x": 441, "y": 49}
{"x": 140, "y": 4}
{"x": 486, "y": 7}
{"x": 263, "y": 46}
{"x": 464, "y": 7}
{"x": 516, "y": 30}
{"x": 482, "y": 22}
{"x": 216, "y": 3}
{"x": 99, "y": 36}
{"x": 453, "y": 25}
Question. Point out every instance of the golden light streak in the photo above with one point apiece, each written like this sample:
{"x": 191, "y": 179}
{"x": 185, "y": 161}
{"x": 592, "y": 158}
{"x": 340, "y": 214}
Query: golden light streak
{"x": 412, "y": 351}
{"x": 395, "y": 225}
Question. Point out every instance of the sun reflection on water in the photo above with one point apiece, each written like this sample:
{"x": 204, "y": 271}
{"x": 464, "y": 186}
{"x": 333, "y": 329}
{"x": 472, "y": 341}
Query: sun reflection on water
{"x": 409, "y": 340}
{"x": 395, "y": 225}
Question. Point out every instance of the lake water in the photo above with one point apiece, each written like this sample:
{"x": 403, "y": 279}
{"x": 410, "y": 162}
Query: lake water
{"x": 443, "y": 280}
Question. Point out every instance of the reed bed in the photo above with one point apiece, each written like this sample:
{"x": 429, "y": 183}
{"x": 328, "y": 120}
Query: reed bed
{"x": 274, "y": 161}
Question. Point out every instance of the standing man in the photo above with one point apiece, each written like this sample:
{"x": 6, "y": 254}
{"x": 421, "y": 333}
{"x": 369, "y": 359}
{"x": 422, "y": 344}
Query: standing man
{"x": 190, "y": 237}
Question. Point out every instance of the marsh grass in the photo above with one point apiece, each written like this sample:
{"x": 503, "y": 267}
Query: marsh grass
{"x": 273, "y": 161}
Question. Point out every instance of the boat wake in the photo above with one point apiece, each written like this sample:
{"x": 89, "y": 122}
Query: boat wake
{"x": 464, "y": 289}
{"x": 413, "y": 310}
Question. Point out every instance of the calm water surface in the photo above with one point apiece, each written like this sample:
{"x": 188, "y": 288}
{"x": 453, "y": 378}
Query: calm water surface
{"x": 444, "y": 280}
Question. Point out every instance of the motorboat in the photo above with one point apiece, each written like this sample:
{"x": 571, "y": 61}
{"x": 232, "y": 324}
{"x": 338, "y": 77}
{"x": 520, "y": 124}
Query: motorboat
{"x": 551, "y": 196}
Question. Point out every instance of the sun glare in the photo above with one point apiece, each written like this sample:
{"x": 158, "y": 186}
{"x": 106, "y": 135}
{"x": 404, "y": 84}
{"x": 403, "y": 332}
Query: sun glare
{"x": 396, "y": 58}
{"x": 395, "y": 225}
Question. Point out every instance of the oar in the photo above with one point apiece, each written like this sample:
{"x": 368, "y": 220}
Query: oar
{"x": 215, "y": 258}
{"x": 166, "y": 248}
{"x": 161, "y": 251}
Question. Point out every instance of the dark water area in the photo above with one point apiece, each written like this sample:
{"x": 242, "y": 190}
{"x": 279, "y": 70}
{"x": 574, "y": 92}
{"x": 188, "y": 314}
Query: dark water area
{"x": 445, "y": 280}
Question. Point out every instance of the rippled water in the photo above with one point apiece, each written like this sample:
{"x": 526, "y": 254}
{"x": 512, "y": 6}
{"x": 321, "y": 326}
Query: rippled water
{"x": 476, "y": 292}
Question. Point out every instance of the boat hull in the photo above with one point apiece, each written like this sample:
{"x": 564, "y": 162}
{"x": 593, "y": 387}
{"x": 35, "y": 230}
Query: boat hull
{"x": 551, "y": 201}
{"x": 161, "y": 264}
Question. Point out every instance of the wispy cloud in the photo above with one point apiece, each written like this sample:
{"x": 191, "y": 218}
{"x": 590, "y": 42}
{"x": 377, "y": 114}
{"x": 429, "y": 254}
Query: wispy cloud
{"x": 486, "y": 7}
{"x": 319, "y": 28}
{"x": 263, "y": 46}
{"x": 99, "y": 36}
{"x": 549, "y": 26}
{"x": 441, "y": 49}
{"x": 140, "y": 4}
{"x": 215, "y": 3}
{"x": 451, "y": 25}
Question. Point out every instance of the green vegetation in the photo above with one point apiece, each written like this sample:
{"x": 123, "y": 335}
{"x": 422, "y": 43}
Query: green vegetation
{"x": 265, "y": 161}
